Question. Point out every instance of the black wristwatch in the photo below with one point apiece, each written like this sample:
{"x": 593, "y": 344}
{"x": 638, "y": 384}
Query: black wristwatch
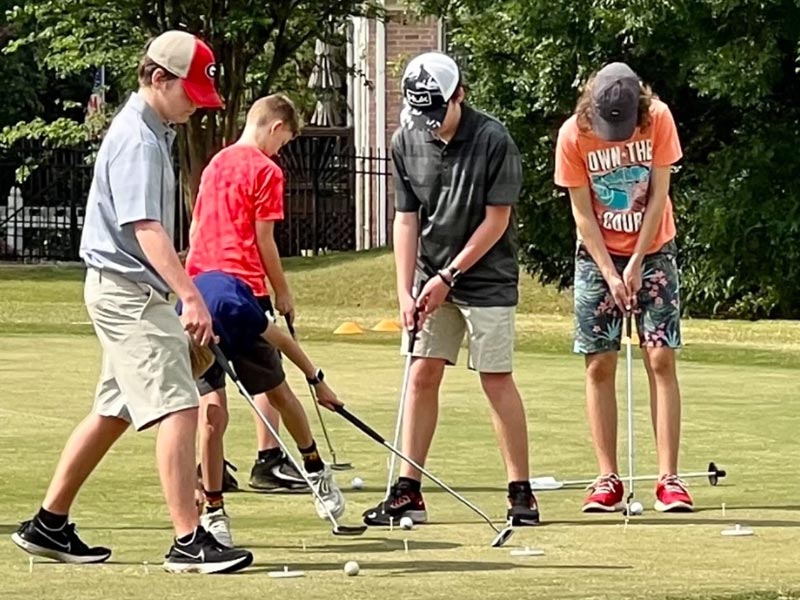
{"x": 319, "y": 377}
{"x": 450, "y": 275}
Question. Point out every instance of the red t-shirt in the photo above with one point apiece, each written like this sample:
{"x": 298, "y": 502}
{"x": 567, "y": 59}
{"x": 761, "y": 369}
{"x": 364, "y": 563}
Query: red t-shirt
{"x": 241, "y": 185}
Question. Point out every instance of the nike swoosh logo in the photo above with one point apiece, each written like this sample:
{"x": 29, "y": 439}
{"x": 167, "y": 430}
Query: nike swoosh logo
{"x": 201, "y": 556}
{"x": 372, "y": 515}
{"x": 67, "y": 547}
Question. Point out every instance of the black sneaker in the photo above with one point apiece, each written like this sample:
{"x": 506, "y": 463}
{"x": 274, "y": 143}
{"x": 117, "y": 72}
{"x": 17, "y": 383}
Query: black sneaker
{"x": 276, "y": 475}
{"x": 62, "y": 545}
{"x": 523, "y": 510}
{"x": 204, "y": 554}
{"x": 229, "y": 483}
{"x": 402, "y": 502}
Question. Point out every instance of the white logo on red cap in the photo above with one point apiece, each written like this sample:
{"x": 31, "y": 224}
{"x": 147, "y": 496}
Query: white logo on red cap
{"x": 211, "y": 71}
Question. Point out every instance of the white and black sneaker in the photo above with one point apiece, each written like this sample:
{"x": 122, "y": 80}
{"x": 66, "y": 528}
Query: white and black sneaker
{"x": 276, "y": 474}
{"x": 332, "y": 496}
{"x": 62, "y": 544}
{"x": 218, "y": 524}
{"x": 204, "y": 554}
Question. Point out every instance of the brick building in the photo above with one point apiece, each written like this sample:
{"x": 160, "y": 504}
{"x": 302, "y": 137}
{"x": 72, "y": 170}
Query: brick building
{"x": 377, "y": 55}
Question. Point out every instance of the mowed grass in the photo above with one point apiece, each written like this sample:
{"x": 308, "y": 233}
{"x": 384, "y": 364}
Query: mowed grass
{"x": 740, "y": 383}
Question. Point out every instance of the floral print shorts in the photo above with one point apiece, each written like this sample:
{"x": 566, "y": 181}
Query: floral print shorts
{"x": 598, "y": 320}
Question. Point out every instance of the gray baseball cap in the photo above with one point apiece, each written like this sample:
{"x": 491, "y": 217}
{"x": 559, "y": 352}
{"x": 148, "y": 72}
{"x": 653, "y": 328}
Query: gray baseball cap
{"x": 615, "y": 99}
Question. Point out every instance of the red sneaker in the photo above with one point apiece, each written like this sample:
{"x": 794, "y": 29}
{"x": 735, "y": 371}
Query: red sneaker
{"x": 672, "y": 495}
{"x": 606, "y": 495}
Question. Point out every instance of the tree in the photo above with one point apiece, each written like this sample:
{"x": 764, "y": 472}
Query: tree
{"x": 254, "y": 42}
{"x": 729, "y": 71}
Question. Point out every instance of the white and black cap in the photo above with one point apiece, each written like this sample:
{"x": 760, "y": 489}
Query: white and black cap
{"x": 429, "y": 82}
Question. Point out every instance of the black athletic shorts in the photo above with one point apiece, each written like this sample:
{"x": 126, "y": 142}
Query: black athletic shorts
{"x": 259, "y": 367}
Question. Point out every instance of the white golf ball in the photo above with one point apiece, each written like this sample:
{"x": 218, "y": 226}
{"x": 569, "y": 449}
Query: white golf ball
{"x": 351, "y": 568}
{"x": 406, "y": 523}
{"x": 636, "y": 508}
{"x": 357, "y": 483}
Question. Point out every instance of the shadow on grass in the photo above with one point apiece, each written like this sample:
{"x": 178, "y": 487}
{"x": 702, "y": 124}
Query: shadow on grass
{"x": 412, "y": 567}
{"x": 365, "y": 545}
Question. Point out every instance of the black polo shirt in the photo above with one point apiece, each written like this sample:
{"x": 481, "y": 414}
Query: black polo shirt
{"x": 450, "y": 186}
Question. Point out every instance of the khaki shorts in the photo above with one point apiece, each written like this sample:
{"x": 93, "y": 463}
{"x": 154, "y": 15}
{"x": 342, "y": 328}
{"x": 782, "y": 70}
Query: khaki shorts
{"x": 490, "y": 336}
{"x": 146, "y": 373}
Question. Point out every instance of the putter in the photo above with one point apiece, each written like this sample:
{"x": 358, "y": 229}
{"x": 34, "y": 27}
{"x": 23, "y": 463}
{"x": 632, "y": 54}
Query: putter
{"x": 412, "y": 339}
{"x": 344, "y": 530}
{"x": 629, "y": 389}
{"x": 335, "y": 465}
{"x": 548, "y": 482}
{"x": 503, "y": 535}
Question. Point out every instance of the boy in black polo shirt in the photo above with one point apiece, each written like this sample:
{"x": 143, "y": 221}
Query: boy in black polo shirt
{"x": 457, "y": 176}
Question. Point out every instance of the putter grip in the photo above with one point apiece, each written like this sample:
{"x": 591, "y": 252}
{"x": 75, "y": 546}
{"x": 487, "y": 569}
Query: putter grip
{"x": 289, "y": 326}
{"x": 222, "y": 360}
{"x": 412, "y": 335}
{"x": 360, "y": 424}
{"x": 628, "y": 326}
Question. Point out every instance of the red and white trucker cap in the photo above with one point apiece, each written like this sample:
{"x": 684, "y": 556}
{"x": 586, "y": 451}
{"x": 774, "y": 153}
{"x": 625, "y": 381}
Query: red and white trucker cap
{"x": 190, "y": 59}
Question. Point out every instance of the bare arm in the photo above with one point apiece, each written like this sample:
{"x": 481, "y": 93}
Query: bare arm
{"x": 406, "y": 232}
{"x": 592, "y": 238}
{"x": 158, "y": 250}
{"x": 589, "y": 230}
{"x": 292, "y": 350}
{"x": 484, "y": 237}
{"x": 271, "y": 259}
{"x": 659, "y": 190}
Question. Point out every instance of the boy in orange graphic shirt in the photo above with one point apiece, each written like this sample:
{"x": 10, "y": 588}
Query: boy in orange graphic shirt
{"x": 614, "y": 155}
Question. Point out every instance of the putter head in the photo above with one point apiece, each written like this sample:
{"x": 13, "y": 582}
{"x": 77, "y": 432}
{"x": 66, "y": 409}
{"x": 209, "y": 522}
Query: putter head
{"x": 502, "y": 537}
{"x": 341, "y": 466}
{"x": 349, "y": 530}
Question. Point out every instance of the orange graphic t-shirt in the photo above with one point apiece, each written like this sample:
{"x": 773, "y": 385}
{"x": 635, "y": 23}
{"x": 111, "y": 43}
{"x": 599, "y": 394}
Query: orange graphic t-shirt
{"x": 618, "y": 176}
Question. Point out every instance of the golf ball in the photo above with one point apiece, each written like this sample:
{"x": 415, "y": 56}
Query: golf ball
{"x": 357, "y": 484}
{"x": 406, "y": 523}
{"x": 351, "y": 568}
{"x": 637, "y": 508}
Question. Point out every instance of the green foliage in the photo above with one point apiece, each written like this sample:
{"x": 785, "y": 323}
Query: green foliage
{"x": 729, "y": 71}
{"x": 257, "y": 45}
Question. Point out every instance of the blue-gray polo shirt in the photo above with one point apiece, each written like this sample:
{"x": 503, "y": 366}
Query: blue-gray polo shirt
{"x": 133, "y": 181}
{"x": 450, "y": 186}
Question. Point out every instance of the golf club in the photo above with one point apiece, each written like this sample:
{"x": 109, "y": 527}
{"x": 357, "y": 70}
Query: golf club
{"x": 335, "y": 465}
{"x": 629, "y": 389}
{"x": 344, "y": 530}
{"x": 412, "y": 339}
{"x": 503, "y": 535}
{"x": 548, "y": 482}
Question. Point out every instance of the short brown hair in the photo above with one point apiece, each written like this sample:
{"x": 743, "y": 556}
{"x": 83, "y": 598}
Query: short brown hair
{"x": 147, "y": 66}
{"x": 585, "y": 106}
{"x": 274, "y": 107}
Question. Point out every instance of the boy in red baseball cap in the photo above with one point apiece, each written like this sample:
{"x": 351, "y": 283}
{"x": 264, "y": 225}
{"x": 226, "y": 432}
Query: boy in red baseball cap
{"x": 132, "y": 269}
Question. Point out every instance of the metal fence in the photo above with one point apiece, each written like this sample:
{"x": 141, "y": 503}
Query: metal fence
{"x": 42, "y": 200}
{"x": 332, "y": 197}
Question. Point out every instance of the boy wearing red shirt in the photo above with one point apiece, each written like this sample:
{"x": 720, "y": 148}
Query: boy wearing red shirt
{"x": 232, "y": 231}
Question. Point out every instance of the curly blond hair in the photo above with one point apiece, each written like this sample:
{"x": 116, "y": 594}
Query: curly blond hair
{"x": 585, "y": 105}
